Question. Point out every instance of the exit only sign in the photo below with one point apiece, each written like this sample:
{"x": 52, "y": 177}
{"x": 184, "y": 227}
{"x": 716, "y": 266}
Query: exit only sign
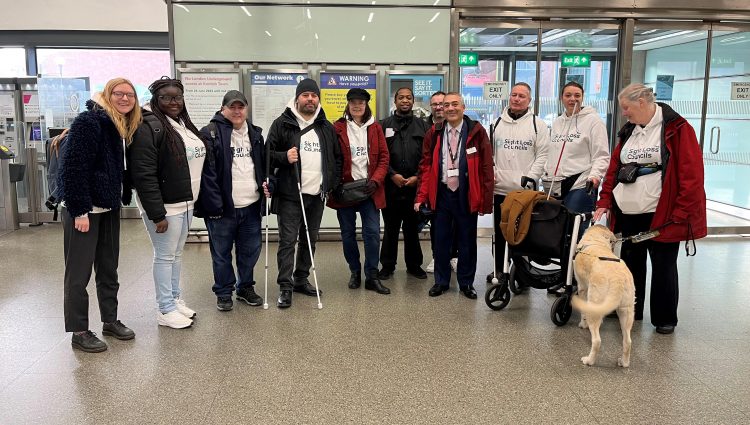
{"x": 468, "y": 59}
{"x": 575, "y": 60}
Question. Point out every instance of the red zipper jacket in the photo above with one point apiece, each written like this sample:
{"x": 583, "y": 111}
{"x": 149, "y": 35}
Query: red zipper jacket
{"x": 478, "y": 170}
{"x": 683, "y": 197}
{"x": 377, "y": 167}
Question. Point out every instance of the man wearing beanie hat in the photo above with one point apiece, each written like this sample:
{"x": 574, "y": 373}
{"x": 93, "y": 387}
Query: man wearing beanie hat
{"x": 304, "y": 139}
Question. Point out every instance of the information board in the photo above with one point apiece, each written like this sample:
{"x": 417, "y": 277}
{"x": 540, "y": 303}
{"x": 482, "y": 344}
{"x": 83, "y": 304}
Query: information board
{"x": 270, "y": 92}
{"x": 496, "y": 90}
{"x": 335, "y": 85}
{"x": 204, "y": 91}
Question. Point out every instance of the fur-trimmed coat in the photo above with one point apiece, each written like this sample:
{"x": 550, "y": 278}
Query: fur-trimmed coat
{"x": 92, "y": 164}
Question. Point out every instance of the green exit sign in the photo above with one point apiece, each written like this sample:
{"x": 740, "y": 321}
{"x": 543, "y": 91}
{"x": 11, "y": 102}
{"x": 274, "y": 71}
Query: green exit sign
{"x": 468, "y": 59}
{"x": 575, "y": 60}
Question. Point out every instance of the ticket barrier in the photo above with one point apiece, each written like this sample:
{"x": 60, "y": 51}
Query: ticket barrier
{"x": 10, "y": 174}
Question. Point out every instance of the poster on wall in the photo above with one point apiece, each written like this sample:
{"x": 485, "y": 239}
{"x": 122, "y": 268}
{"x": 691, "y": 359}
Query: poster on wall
{"x": 664, "y": 87}
{"x": 7, "y": 105}
{"x": 270, "y": 92}
{"x": 740, "y": 90}
{"x": 31, "y": 105}
{"x": 423, "y": 86}
{"x": 335, "y": 85}
{"x": 204, "y": 91}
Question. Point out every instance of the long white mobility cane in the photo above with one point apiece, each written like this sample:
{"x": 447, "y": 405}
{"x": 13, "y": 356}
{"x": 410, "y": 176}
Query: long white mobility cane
{"x": 307, "y": 232}
{"x": 268, "y": 201}
{"x": 494, "y": 241}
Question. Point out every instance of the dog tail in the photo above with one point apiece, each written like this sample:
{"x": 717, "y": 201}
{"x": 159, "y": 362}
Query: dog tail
{"x": 610, "y": 303}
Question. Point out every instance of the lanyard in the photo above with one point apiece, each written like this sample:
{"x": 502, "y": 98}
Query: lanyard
{"x": 452, "y": 155}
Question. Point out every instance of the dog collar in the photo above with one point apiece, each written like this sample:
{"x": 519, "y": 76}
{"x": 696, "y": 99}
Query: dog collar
{"x": 581, "y": 251}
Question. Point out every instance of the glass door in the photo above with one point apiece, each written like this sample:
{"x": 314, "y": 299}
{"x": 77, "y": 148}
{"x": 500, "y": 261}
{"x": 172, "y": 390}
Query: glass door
{"x": 726, "y": 152}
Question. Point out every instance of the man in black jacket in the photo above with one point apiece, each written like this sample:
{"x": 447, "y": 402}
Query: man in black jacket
{"x": 404, "y": 134}
{"x": 303, "y": 149}
{"x": 231, "y": 200}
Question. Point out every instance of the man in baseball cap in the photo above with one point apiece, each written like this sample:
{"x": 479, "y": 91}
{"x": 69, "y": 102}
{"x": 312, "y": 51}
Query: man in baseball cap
{"x": 234, "y": 96}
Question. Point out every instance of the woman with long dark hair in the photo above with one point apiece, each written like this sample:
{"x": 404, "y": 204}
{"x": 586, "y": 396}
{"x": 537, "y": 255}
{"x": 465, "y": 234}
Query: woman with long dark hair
{"x": 91, "y": 186}
{"x": 166, "y": 160}
{"x": 365, "y": 155}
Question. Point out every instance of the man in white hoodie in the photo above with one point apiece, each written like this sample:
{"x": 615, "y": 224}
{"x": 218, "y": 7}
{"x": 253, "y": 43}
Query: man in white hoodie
{"x": 521, "y": 142}
{"x": 302, "y": 144}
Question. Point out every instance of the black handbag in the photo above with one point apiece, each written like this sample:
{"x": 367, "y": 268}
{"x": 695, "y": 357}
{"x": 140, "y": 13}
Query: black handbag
{"x": 352, "y": 193}
{"x": 628, "y": 173}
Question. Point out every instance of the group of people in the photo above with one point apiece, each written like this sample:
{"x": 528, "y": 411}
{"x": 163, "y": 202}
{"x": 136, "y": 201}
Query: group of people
{"x": 445, "y": 167}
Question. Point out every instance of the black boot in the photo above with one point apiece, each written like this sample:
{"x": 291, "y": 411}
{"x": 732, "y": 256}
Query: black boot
{"x": 355, "y": 281}
{"x": 373, "y": 284}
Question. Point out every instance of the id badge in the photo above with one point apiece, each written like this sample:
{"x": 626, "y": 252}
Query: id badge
{"x": 389, "y": 132}
{"x": 453, "y": 172}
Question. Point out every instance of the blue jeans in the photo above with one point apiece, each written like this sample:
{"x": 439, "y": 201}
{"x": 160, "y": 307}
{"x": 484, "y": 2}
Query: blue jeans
{"x": 370, "y": 235}
{"x": 243, "y": 233}
{"x": 168, "y": 248}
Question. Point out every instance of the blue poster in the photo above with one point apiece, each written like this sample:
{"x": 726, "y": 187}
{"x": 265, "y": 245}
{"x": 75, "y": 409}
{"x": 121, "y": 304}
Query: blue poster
{"x": 422, "y": 85}
{"x": 347, "y": 81}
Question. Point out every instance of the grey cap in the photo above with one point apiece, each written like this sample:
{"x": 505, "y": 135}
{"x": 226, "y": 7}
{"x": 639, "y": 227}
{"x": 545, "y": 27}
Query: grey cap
{"x": 234, "y": 96}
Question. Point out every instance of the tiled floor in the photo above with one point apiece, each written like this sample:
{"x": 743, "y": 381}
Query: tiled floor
{"x": 364, "y": 358}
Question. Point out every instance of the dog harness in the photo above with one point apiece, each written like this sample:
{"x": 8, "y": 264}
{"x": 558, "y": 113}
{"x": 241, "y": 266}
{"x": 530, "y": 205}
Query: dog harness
{"x": 581, "y": 251}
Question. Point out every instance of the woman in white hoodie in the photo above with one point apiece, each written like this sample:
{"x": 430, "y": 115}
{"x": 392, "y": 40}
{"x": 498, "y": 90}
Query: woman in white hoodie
{"x": 365, "y": 158}
{"x": 579, "y": 152}
{"x": 520, "y": 145}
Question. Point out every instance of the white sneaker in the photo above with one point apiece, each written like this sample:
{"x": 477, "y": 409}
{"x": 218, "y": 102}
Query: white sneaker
{"x": 430, "y": 267}
{"x": 454, "y": 264}
{"x": 184, "y": 309}
{"x": 174, "y": 320}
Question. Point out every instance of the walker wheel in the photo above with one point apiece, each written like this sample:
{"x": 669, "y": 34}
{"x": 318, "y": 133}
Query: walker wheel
{"x": 497, "y": 296}
{"x": 514, "y": 285}
{"x": 561, "y": 310}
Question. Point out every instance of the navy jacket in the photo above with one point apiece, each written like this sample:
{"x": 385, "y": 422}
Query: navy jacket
{"x": 92, "y": 164}
{"x": 215, "y": 197}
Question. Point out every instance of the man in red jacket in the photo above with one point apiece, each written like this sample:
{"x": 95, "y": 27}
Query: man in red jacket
{"x": 456, "y": 181}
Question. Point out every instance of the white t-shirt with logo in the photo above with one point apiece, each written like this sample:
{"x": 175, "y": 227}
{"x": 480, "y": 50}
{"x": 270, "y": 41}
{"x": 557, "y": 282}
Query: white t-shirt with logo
{"x": 244, "y": 185}
{"x": 310, "y": 156}
{"x": 643, "y": 147}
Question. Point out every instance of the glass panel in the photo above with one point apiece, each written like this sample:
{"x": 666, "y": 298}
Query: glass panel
{"x": 141, "y": 67}
{"x": 12, "y": 62}
{"x": 186, "y": 3}
{"x": 592, "y": 54}
{"x": 677, "y": 58}
{"x": 726, "y": 152}
{"x": 293, "y": 34}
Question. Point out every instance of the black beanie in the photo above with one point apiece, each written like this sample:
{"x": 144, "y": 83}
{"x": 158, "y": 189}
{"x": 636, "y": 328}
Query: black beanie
{"x": 307, "y": 85}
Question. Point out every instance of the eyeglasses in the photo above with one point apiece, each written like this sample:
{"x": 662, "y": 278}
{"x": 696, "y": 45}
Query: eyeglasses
{"x": 120, "y": 95}
{"x": 170, "y": 99}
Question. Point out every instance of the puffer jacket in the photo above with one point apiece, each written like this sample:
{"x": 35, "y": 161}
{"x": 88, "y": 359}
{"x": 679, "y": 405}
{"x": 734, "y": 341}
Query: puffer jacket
{"x": 405, "y": 151}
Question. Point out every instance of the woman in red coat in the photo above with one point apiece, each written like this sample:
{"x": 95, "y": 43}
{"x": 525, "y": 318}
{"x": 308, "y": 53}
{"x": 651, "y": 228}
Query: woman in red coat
{"x": 365, "y": 158}
{"x": 654, "y": 182}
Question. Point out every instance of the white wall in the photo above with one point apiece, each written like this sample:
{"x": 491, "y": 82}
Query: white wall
{"x": 96, "y": 15}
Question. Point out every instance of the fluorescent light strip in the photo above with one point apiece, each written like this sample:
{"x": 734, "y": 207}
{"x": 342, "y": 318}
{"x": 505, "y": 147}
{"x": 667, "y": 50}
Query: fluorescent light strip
{"x": 183, "y": 7}
{"x": 268, "y": 33}
{"x": 434, "y": 17}
{"x": 308, "y": 14}
{"x": 316, "y": 35}
{"x": 558, "y": 35}
{"x": 436, "y": 2}
{"x": 217, "y": 30}
{"x": 363, "y": 38}
{"x": 369, "y": 18}
{"x": 662, "y": 37}
{"x": 412, "y": 39}
{"x": 244, "y": 9}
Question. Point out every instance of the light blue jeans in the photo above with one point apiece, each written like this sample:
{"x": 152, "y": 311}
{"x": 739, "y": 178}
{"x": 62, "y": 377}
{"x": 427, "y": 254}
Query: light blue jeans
{"x": 168, "y": 248}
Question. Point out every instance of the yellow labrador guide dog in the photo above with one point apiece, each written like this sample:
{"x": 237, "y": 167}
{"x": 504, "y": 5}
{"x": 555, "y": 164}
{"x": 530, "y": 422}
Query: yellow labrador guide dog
{"x": 604, "y": 284}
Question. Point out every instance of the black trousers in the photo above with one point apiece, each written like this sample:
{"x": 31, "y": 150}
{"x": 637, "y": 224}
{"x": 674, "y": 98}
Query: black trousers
{"x": 100, "y": 248}
{"x": 292, "y": 226}
{"x": 664, "y": 281}
{"x": 448, "y": 216}
{"x": 454, "y": 247}
{"x": 398, "y": 215}
{"x": 499, "y": 238}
